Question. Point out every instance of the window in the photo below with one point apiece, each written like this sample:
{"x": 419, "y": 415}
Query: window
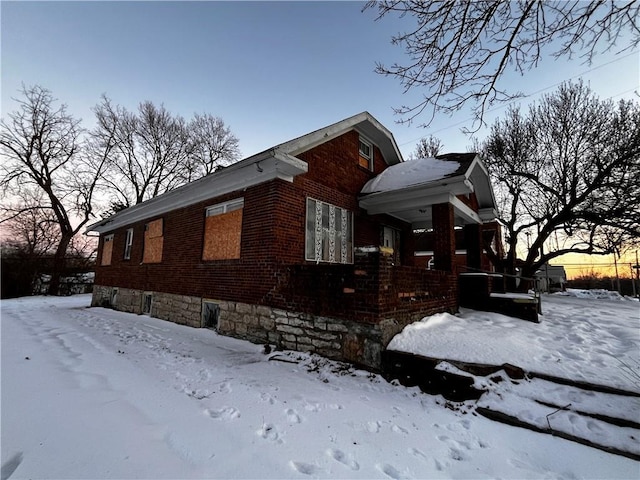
{"x": 127, "y": 244}
{"x": 365, "y": 154}
{"x": 147, "y": 300}
{"x": 223, "y": 230}
{"x": 153, "y": 241}
{"x": 107, "y": 250}
{"x": 329, "y": 233}
{"x": 113, "y": 300}
{"x": 391, "y": 241}
{"x": 210, "y": 315}
{"x": 389, "y": 238}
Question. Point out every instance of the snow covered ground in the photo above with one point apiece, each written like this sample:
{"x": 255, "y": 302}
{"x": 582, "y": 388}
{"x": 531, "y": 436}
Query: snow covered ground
{"x": 94, "y": 393}
{"x": 582, "y": 336}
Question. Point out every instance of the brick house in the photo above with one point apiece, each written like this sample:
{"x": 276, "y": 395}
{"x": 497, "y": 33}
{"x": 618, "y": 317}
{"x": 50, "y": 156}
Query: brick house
{"x": 308, "y": 245}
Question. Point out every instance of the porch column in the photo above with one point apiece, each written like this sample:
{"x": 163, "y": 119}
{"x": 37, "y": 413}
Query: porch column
{"x": 473, "y": 241}
{"x": 444, "y": 248}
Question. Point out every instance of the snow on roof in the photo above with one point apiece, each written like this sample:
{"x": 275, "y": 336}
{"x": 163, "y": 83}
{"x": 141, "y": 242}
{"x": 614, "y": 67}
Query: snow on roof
{"x": 412, "y": 172}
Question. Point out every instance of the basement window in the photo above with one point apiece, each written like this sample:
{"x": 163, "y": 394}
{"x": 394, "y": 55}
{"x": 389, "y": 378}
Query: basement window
{"x": 147, "y": 301}
{"x": 210, "y": 315}
{"x": 113, "y": 298}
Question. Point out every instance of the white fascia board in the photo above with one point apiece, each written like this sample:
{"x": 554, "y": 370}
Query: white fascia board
{"x": 416, "y": 196}
{"x": 318, "y": 137}
{"x": 479, "y": 174}
{"x": 464, "y": 211}
{"x": 261, "y": 168}
{"x": 487, "y": 214}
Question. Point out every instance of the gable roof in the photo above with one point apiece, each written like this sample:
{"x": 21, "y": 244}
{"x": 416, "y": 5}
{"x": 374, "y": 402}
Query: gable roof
{"x": 363, "y": 122}
{"x": 276, "y": 162}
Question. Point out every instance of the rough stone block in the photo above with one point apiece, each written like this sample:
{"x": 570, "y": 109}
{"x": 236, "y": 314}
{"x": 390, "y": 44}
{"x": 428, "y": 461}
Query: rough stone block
{"x": 289, "y": 329}
{"x": 336, "y": 327}
{"x": 244, "y": 308}
{"x": 267, "y": 323}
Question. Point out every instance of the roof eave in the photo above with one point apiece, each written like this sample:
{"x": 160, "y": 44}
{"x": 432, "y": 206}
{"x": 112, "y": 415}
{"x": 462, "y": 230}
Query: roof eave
{"x": 260, "y": 168}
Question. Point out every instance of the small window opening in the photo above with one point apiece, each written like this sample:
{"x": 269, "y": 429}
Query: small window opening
{"x": 147, "y": 299}
{"x": 365, "y": 150}
{"x": 210, "y": 315}
{"x": 127, "y": 244}
{"x": 113, "y": 300}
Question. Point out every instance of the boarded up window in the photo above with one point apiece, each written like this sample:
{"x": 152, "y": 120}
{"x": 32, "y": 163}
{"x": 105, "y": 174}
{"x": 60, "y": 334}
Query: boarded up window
{"x": 107, "y": 250}
{"x": 223, "y": 231}
{"x": 153, "y": 240}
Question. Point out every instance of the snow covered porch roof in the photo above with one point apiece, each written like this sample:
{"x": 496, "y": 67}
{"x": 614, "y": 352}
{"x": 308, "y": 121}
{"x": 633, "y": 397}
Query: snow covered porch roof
{"x": 409, "y": 189}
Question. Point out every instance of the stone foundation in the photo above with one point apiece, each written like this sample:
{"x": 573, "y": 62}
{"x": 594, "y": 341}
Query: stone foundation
{"x": 359, "y": 343}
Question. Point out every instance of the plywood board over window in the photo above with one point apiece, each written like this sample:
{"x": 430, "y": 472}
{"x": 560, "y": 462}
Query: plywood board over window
{"x": 223, "y": 231}
{"x": 107, "y": 250}
{"x": 153, "y": 241}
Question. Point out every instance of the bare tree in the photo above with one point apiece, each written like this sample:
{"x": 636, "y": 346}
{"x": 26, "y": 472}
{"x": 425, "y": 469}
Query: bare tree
{"x": 458, "y": 50}
{"x": 427, "y": 147}
{"x": 155, "y": 151}
{"x": 43, "y": 153}
{"x": 30, "y": 226}
{"x": 213, "y": 146}
{"x": 567, "y": 174}
{"x": 150, "y": 151}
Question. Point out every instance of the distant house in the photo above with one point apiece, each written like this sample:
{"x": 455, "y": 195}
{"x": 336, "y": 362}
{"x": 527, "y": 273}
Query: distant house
{"x": 309, "y": 245}
{"x": 551, "y": 278}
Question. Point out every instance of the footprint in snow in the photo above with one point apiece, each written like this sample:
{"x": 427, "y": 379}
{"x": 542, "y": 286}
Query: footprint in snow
{"x": 373, "y": 427}
{"x": 225, "y": 387}
{"x": 399, "y": 429}
{"x": 304, "y": 468}
{"x": 312, "y": 407}
{"x": 417, "y": 453}
{"x": 343, "y": 458}
{"x": 269, "y": 432}
{"x": 391, "y": 471}
{"x": 225, "y": 413}
{"x": 265, "y": 397}
{"x": 292, "y": 416}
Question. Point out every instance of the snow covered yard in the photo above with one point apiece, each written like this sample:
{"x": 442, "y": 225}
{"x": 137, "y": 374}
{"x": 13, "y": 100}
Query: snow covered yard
{"x": 582, "y": 336}
{"x": 94, "y": 393}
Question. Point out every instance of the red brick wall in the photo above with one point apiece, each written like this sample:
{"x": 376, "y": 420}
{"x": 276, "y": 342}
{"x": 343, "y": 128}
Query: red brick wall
{"x": 273, "y": 233}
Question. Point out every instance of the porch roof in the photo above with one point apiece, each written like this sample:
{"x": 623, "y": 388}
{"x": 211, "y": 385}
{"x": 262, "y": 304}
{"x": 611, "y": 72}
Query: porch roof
{"x": 408, "y": 190}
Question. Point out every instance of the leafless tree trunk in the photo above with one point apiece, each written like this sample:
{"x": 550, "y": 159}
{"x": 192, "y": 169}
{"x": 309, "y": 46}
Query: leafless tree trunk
{"x": 43, "y": 154}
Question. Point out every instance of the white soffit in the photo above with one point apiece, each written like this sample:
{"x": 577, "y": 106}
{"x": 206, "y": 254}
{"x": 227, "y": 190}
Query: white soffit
{"x": 254, "y": 170}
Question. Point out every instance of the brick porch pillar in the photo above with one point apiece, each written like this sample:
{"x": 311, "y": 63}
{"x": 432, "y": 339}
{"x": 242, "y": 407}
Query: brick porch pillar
{"x": 444, "y": 248}
{"x": 473, "y": 241}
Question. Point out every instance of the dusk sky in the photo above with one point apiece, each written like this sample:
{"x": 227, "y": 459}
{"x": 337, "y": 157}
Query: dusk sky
{"x": 271, "y": 70}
